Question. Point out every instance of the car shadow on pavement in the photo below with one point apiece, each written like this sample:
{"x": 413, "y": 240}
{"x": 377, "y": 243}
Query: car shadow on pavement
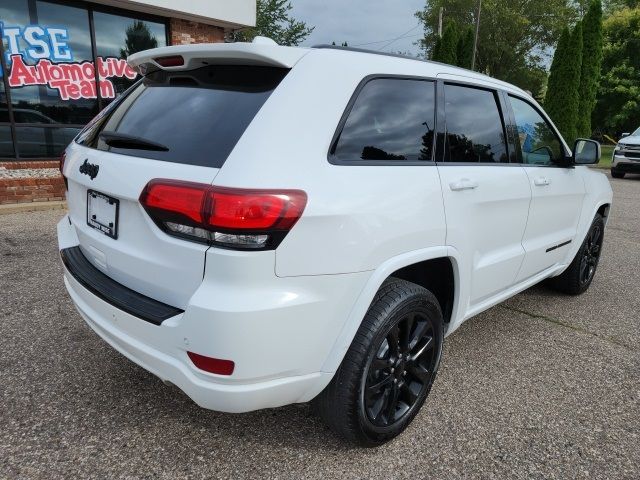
{"x": 137, "y": 398}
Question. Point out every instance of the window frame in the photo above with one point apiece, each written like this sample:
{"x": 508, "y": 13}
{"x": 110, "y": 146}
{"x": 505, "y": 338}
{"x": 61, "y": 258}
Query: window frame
{"x": 516, "y": 138}
{"x": 504, "y": 110}
{"x": 332, "y": 159}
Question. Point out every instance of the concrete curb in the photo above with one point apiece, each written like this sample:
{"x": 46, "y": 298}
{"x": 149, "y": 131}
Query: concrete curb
{"x": 32, "y": 207}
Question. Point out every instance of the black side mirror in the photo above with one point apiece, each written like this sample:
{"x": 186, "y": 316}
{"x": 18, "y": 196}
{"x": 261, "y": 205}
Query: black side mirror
{"x": 586, "y": 152}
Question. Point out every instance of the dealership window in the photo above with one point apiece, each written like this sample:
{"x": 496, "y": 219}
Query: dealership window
{"x": 49, "y": 91}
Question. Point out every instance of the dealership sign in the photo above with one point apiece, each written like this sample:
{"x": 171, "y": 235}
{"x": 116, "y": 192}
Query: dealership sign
{"x": 73, "y": 80}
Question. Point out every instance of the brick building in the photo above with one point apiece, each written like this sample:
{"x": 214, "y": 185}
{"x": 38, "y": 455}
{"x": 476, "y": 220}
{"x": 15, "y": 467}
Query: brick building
{"x": 61, "y": 62}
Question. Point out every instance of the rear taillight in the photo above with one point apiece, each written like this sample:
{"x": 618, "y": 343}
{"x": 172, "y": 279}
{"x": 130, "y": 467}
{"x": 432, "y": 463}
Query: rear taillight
{"x": 61, "y": 167}
{"x": 228, "y": 217}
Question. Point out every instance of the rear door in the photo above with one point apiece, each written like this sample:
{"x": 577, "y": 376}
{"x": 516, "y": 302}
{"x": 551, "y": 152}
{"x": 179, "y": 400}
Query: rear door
{"x": 486, "y": 197}
{"x": 172, "y": 125}
{"x": 557, "y": 192}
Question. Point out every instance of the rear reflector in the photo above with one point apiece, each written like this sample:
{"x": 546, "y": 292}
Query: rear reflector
{"x": 170, "y": 61}
{"x": 212, "y": 365}
{"x": 229, "y": 217}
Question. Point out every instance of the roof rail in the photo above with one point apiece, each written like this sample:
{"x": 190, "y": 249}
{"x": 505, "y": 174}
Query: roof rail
{"x": 374, "y": 52}
{"x": 453, "y": 68}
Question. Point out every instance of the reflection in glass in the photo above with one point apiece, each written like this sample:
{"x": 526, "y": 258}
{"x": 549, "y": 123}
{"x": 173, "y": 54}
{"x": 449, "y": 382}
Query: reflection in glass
{"x": 6, "y": 142}
{"x": 392, "y": 119}
{"x": 474, "y": 126}
{"x": 52, "y": 41}
{"x": 538, "y": 144}
{"x": 71, "y": 27}
{"x": 38, "y": 142}
{"x": 119, "y": 37}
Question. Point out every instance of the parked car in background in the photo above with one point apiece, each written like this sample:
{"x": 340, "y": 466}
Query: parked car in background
{"x": 34, "y": 140}
{"x": 626, "y": 155}
{"x": 264, "y": 225}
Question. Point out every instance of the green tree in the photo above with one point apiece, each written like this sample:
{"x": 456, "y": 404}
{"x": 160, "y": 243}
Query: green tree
{"x": 561, "y": 102}
{"x": 612, "y": 6}
{"x": 618, "y": 103}
{"x": 448, "y": 49}
{"x": 591, "y": 65}
{"x": 465, "y": 47}
{"x": 435, "y": 51}
{"x": 514, "y": 36}
{"x": 138, "y": 37}
{"x": 273, "y": 21}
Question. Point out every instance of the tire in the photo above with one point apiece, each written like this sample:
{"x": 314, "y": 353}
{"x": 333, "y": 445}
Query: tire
{"x": 579, "y": 275}
{"x": 358, "y": 403}
{"x": 616, "y": 174}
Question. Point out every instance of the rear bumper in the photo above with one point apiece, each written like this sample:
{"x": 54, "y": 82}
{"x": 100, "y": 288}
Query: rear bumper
{"x": 171, "y": 365}
{"x": 279, "y": 337}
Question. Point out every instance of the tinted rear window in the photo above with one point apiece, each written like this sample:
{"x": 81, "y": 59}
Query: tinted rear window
{"x": 198, "y": 115}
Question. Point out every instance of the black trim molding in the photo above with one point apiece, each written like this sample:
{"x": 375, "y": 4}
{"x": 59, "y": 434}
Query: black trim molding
{"x": 550, "y": 249}
{"x": 114, "y": 293}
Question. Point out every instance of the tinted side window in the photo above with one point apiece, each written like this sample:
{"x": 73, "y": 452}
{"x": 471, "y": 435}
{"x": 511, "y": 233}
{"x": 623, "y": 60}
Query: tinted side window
{"x": 475, "y": 132}
{"x": 538, "y": 143}
{"x": 392, "y": 119}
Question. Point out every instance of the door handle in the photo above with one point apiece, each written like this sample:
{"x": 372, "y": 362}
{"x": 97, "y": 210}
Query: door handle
{"x": 463, "y": 184}
{"x": 541, "y": 182}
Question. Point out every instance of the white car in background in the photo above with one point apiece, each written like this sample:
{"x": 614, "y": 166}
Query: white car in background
{"x": 626, "y": 155}
{"x": 264, "y": 225}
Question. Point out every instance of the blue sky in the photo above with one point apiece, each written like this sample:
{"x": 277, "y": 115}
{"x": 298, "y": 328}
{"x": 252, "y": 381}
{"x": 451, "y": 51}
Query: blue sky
{"x": 362, "y": 22}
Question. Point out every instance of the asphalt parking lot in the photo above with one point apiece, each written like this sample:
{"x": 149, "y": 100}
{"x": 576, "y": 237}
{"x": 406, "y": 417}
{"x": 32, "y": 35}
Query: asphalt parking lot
{"x": 543, "y": 386}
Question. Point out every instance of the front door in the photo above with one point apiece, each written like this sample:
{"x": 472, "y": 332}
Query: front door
{"x": 557, "y": 192}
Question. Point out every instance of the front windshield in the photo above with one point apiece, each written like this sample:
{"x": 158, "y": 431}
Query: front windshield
{"x": 636, "y": 133}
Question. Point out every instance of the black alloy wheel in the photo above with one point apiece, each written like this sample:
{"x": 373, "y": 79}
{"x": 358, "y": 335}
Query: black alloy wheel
{"x": 582, "y": 269}
{"x": 401, "y": 371}
{"x": 387, "y": 372}
{"x": 591, "y": 254}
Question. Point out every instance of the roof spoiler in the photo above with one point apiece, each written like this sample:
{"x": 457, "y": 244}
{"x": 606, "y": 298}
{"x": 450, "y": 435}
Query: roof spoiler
{"x": 189, "y": 57}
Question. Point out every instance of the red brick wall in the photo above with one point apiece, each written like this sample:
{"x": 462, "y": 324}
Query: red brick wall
{"x": 184, "y": 32}
{"x": 30, "y": 164}
{"x": 27, "y": 190}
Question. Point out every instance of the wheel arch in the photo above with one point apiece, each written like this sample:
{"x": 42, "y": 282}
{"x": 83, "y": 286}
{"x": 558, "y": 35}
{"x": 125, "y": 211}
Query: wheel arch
{"x": 603, "y": 209}
{"x": 409, "y": 265}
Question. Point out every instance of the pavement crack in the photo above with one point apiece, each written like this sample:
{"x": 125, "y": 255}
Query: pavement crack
{"x": 570, "y": 326}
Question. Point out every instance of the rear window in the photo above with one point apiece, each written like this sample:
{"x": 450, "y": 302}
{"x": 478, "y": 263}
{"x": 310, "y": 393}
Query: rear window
{"x": 197, "y": 115}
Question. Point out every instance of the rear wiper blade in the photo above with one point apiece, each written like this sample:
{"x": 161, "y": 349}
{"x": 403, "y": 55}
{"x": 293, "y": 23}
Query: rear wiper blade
{"x": 121, "y": 140}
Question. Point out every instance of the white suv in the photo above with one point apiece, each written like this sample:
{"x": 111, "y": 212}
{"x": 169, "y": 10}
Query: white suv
{"x": 263, "y": 225}
{"x": 626, "y": 155}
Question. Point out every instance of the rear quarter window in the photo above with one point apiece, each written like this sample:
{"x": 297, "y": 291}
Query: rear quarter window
{"x": 391, "y": 120}
{"x": 198, "y": 115}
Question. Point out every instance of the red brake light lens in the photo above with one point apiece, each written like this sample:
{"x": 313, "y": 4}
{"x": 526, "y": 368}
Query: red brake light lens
{"x": 229, "y": 217}
{"x": 178, "y": 198}
{"x": 170, "y": 61}
{"x": 249, "y": 210}
{"x": 212, "y": 365}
